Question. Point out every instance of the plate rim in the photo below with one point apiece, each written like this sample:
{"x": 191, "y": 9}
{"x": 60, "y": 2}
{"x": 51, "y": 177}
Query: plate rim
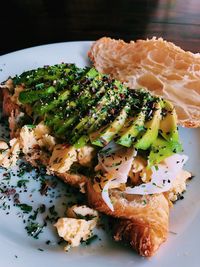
{"x": 82, "y": 42}
{"x": 43, "y": 45}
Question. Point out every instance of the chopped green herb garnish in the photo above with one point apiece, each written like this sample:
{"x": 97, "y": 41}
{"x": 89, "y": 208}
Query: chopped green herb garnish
{"x": 34, "y": 229}
{"x": 22, "y": 183}
{"x": 25, "y": 208}
{"x": 91, "y": 239}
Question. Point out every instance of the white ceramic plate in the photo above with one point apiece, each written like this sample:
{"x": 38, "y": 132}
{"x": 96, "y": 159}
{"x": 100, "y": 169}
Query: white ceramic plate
{"x": 18, "y": 249}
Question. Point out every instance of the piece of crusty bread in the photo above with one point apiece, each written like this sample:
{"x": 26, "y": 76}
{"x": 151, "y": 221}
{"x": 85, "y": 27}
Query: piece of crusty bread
{"x": 160, "y": 66}
{"x": 143, "y": 224}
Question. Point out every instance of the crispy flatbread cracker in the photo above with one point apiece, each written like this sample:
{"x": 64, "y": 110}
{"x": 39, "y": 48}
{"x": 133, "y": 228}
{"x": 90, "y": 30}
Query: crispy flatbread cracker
{"x": 160, "y": 66}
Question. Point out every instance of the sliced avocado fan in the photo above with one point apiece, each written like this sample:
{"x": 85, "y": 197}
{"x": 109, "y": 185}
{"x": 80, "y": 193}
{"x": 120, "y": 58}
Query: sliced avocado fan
{"x": 81, "y": 106}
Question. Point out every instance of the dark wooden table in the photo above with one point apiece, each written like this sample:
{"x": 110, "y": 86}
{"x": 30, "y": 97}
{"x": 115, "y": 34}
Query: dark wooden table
{"x": 27, "y": 23}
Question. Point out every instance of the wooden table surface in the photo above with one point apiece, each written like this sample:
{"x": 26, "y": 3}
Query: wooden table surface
{"x": 29, "y": 23}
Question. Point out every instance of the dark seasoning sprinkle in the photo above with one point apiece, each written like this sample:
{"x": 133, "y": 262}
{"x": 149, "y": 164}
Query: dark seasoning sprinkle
{"x": 28, "y": 208}
{"x": 37, "y": 217}
{"x": 33, "y": 197}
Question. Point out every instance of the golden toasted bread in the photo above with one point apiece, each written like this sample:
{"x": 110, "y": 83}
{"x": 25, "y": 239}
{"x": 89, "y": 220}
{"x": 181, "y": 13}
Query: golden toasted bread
{"x": 160, "y": 66}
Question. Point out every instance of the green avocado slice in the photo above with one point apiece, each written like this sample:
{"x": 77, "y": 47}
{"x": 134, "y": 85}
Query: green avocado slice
{"x": 152, "y": 126}
{"x": 110, "y": 132}
{"x": 168, "y": 124}
{"x": 30, "y": 96}
{"x": 129, "y": 133}
{"x": 82, "y": 141}
{"x": 162, "y": 149}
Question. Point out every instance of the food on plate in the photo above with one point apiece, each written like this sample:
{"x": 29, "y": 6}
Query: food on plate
{"x": 157, "y": 65}
{"x": 119, "y": 146}
{"x": 77, "y": 226}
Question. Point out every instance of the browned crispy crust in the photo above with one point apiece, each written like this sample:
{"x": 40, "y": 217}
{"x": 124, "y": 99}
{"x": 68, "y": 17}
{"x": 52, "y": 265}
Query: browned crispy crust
{"x": 76, "y": 180}
{"x": 8, "y": 105}
{"x": 135, "y": 233}
{"x": 143, "y": 221}
{"x": 10, "y": 110}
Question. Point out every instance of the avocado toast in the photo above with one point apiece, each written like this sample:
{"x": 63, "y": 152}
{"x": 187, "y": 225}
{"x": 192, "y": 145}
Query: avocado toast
{"x": 118, "y": 145}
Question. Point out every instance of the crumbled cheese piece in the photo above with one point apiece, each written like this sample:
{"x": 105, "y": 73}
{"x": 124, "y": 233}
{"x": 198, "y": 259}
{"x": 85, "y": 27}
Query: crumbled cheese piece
{"x": 41, "y": 130}
{"x": 85, "y": 155}
{"x": 10, "y": 156}
{"x": 62, "y": 158}
{"x": 3, "y": 145}
{"x": 36, "y": 137}
{"x": 27, "y": 139}
{"x": 47, "y": 141}
{"x": 179, "y": 185}
{"x": 74, "y": 230}
{"x": 44, "y": 139}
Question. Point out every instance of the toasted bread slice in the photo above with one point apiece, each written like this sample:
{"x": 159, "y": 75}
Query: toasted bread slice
{"x": 160, "y": 66}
